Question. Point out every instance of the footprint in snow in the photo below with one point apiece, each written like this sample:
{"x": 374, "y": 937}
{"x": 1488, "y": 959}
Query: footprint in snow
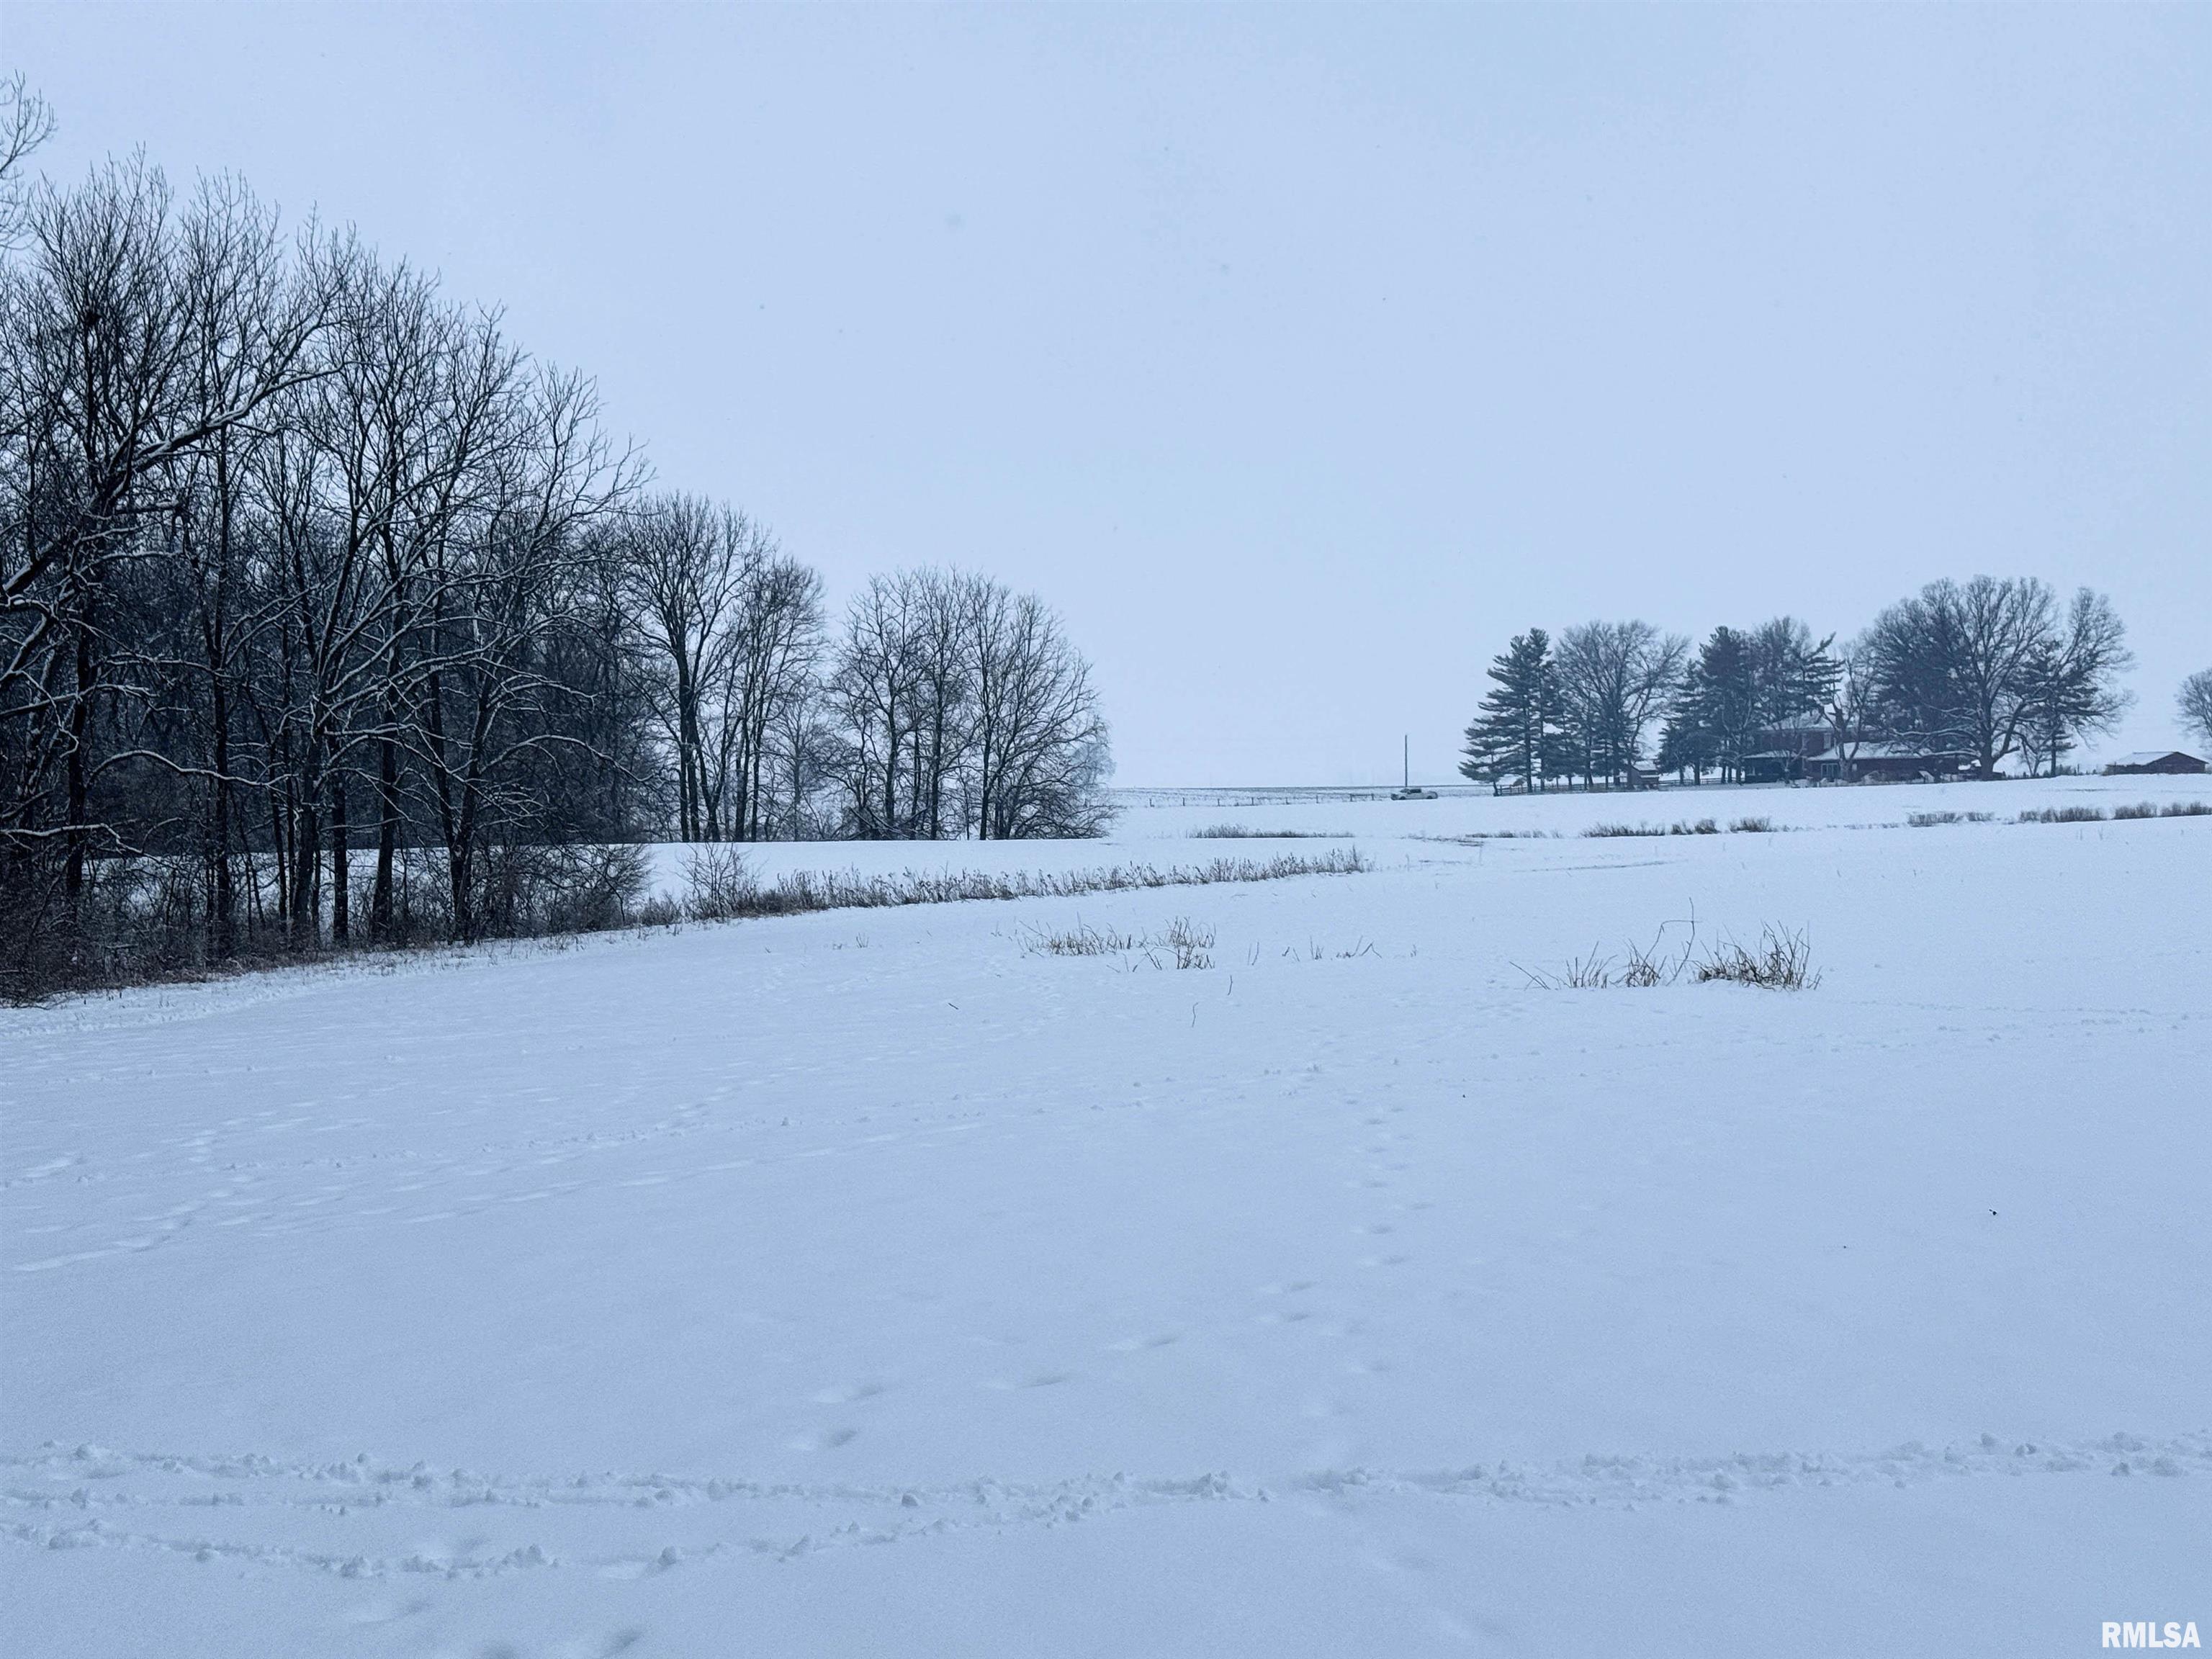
{"x": 383, "y": 1613}
{"x": 846, "y": 1393}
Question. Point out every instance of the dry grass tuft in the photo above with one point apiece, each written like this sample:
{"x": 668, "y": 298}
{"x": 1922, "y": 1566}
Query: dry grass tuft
{"x": 1184, "y": 944}
{"x": 1187, "y": 944}
{"x": 1240, "y": 832}
{"x": 1080, "y": 940}
{"x": 1930, "y": 820}
{"x": 1783, "y": 961}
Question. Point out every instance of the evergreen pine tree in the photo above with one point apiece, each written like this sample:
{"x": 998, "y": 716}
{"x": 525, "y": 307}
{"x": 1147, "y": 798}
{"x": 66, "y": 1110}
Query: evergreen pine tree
{"x": 1720, "y": 700}
{"x": 1792, "y": 674}
{"x": 1517, "y": 734}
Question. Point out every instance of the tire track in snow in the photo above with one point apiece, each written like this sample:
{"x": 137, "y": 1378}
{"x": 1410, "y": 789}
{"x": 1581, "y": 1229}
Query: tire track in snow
{"x": 93, "y": 1497}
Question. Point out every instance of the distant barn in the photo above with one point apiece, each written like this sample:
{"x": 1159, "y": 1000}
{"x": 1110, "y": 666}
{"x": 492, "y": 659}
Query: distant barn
{"x": 2162, "y": 761}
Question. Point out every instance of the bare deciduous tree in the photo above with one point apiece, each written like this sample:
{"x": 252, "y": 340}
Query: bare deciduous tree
{"x": 2193, "y": 702}
{"x": 1614, "y": 679}
{"x": 300, "y": 560}
{"x": 26, "y": 121}
{"x": 737, "y": 625}
{"x": 962, "y": 709}
{"x": 2073, "y": 688}
{"x": 1976, "y": 665}
{"x": 1040, "y": 745}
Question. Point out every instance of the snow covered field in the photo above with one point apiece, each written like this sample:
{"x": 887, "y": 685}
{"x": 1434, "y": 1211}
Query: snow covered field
{"x": 864, "y": 1282}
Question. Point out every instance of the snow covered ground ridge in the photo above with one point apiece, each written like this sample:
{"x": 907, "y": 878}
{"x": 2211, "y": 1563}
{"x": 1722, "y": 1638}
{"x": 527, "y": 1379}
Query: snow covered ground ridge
{"x": 93, "y": 1497}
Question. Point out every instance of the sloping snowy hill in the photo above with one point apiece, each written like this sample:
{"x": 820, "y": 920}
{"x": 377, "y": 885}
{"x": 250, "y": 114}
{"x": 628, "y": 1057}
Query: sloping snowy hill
{"x": 870, "y": 1283}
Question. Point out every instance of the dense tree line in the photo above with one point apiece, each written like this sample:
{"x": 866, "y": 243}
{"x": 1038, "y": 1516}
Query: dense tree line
{"x": 331, "y": 613}
{"x": 1741, "y": 685}
{"x": 1988, "y": 671}
{"x": 1584, "y": 709}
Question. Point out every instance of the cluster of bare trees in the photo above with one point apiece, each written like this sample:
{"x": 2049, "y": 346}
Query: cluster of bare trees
{"x": 946, "y": 706}
{"x": 734, "y": 627}
{"x": 328, "y": 613}
{"x": 298, "y": 561}
{"x": 1992, "y": 669}
{"x": 1616, "y": 681}
{"x": 1965, "y": 676}
{"x": 960, "y": 708}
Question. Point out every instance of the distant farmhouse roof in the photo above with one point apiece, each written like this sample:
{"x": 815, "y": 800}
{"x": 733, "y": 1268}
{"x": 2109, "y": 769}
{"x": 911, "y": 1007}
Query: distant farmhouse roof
{"x": 1889, "y": 751}
{"x": 2157, "y": 760}
{"x": 1844, "y": 761}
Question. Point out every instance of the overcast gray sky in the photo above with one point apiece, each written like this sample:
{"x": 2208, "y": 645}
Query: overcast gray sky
{"x": 1301, "y": 356}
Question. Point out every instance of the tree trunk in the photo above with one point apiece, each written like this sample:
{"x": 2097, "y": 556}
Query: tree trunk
{"x": 222, "y": 922}
{"x": 387, "y": 836}
{"x": 79, "y": 822}
{"x": 341, "y": 884}
{"x": 307, "y": 873}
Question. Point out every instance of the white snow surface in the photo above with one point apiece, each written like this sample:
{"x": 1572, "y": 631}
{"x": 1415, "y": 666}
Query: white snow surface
{"x": 860, "y": 1283}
